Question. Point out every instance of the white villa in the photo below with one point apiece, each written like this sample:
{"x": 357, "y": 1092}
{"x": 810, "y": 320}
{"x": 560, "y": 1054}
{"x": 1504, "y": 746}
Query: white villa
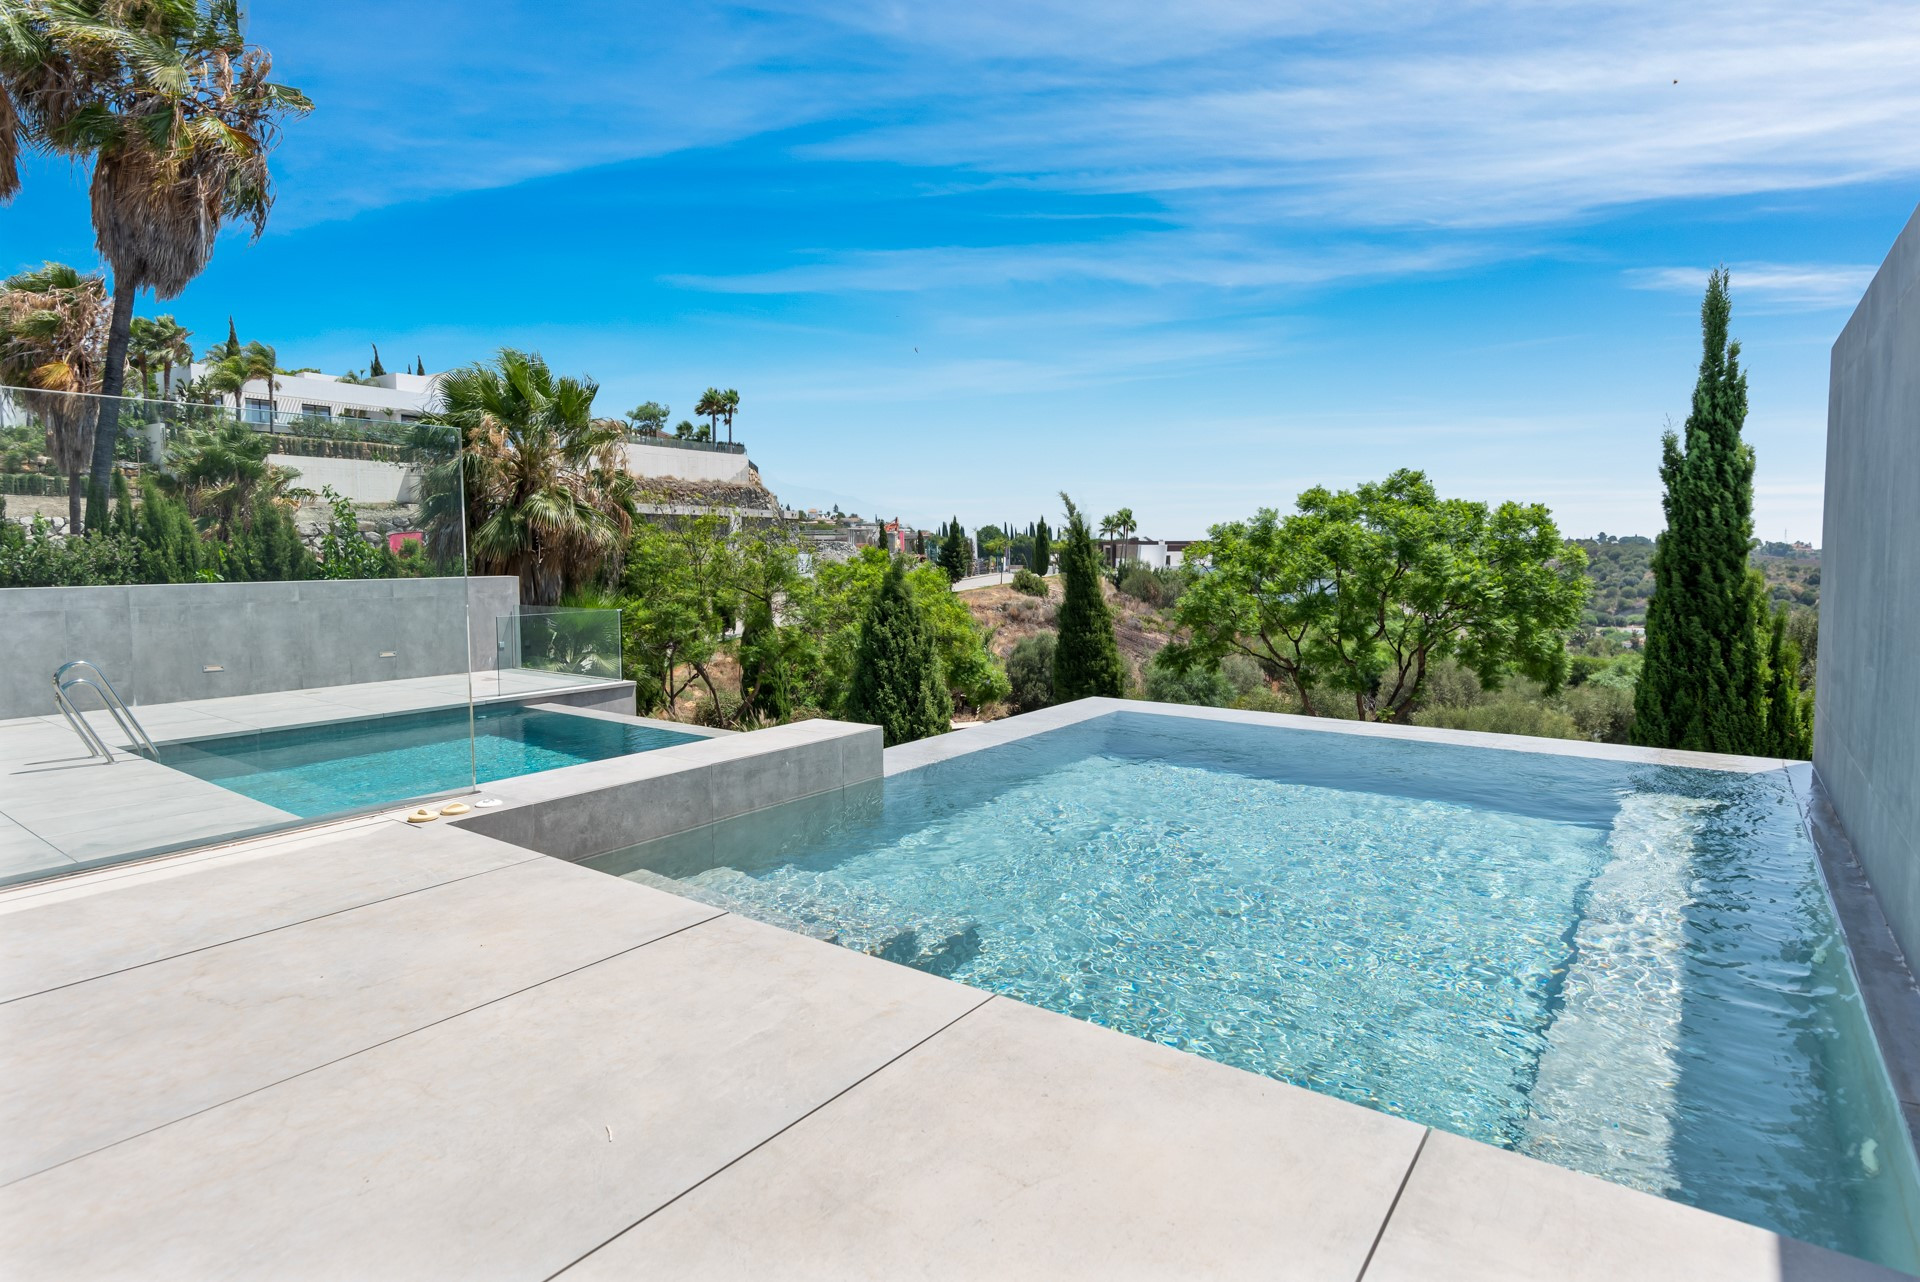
{"x": 392, "y": 398}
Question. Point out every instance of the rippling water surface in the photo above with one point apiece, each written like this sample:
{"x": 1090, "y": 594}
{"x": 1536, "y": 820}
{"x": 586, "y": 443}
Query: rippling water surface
{"x": 1627, "y": 970}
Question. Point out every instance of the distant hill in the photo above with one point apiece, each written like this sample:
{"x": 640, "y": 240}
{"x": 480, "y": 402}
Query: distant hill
{"x": 1622, "y": 572}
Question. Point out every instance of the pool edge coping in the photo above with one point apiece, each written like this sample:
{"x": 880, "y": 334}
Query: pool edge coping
{"x": 957, "y": 743}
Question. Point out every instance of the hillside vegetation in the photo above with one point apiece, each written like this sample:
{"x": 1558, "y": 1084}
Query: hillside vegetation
{"x": 1622, "y": 572}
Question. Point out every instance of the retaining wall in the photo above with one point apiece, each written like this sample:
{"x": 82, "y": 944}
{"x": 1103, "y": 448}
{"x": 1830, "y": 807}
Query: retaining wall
{"x": 155, "y": 642}
{"x": 1867, "y": 723}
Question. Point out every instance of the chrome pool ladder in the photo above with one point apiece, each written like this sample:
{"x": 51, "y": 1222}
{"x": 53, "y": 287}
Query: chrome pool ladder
{"x": 122, "y": 714}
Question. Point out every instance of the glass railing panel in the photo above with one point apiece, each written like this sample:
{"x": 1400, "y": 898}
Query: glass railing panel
{"x": 282, "y": 606}
{"x": 557, "y": 649}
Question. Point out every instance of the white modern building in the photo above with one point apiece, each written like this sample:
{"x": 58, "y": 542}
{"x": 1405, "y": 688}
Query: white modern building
{"x": 392, "y": 398}
{"x": 1155, "y": 554}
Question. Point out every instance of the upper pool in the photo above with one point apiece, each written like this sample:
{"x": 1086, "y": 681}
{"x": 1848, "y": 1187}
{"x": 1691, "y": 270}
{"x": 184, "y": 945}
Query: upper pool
{"x": 314, "y": 771}
{"x": 1626, "y": 969}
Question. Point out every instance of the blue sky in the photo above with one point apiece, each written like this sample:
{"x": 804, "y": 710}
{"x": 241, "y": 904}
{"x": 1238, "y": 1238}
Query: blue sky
{"x": 1186, "y": 258}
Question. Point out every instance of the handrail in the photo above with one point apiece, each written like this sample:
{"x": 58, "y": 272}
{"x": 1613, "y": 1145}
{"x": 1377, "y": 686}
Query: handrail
{"x": 95, "y": 745}
{"x": 116, "y": 707}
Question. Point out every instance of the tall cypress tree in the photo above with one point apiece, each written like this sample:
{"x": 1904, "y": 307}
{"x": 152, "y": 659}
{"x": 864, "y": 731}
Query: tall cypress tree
{"x": 1788, "y": 734}
{"x": 1086, "y": 662}
{"x": 1042, "y": 547}
{"x": 956, "y": 557}
{"x": 1702, "y": 683}
{"x": 897, "y": 683}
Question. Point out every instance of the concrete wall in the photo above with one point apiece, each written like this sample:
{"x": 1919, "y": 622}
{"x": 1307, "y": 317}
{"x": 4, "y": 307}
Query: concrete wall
{"x": 581, "y": 811}
{"x": 1867, "y": 728}
{"x": 688, "y": 465}
{"x": 155, "y": 641}
{"x": 362, "y": 480}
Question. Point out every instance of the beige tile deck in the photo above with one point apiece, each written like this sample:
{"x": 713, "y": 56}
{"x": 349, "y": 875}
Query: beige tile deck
{"x": 1471, "y": 1213}
{"x": 387, "y": 1052}
{"x": 1024, "y": 1143}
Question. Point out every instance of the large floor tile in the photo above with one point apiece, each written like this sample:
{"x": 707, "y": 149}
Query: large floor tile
{"x": 503, "y": 1143}
{"x": 45, "y": 945}
{"x": 210, "y": 1026}
{"x": 1472, "y": 1213}
{"x": 1020, "y": 1143}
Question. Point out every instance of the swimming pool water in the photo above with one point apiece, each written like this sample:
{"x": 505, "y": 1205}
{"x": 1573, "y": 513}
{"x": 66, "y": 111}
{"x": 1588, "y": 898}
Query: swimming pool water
{"x": 1628, "y": 970}
{"x": 313, "y": 771}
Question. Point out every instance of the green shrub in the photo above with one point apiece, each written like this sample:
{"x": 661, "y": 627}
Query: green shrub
{"x": 1025, "y": 580}
{"x": 1509, "y": 711}
{"x": 1164, "y": 684}
{"x": 1158, "y": 588}
{"x": 1030, "y": 672}
{"x": 1243, "y": 676}
{"x": 1602, "y": 712}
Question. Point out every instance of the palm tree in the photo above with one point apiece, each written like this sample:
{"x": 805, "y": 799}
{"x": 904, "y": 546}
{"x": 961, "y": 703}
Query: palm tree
{"x": 223, "y": 471}
{"x": 547, "y": 499}
{"x": 171, "y": 346}
{"x": 177, "y": 112}
{"x": 729, "y": 406}
{"x": 260, "y": 361}
{"x": 53, "y": 332}
{"x": 226, "y": 375}
{"x": 711, "y": 405}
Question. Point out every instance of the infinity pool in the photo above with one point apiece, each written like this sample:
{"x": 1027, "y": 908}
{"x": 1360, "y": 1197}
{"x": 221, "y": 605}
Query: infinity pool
{"x": 321, "y": 770}
{"x": 1625, "y": 969}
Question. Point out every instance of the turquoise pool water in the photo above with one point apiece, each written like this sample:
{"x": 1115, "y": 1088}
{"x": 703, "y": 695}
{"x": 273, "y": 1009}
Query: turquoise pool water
{"x": 1628, "y": 970}
{"x": 323, "y": 770}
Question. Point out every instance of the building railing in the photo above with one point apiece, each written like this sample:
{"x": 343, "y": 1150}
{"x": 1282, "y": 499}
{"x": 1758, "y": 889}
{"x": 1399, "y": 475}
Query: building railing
{"x": 685, "y": 443}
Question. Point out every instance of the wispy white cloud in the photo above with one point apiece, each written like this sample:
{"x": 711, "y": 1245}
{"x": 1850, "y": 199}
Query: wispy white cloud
{"x": 1771, "y": 286}
{"x": 1380, "y": 113}
{"x": 1218, "y": 261}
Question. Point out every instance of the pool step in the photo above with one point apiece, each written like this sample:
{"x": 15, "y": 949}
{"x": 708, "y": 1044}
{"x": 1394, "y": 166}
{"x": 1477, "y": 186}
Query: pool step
{"x": 1619, "y": 1017}
{"x": 834, "y": 909}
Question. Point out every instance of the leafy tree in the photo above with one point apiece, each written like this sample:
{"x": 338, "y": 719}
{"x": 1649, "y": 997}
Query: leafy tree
{"x": 1086, "y": 663}
{"x": 547, "y": 497}
{"x": 956, "y": 554}
{"x": 775, "y": 662}
{"x": 896, "y": 677}
{"x": 177, "y": 114}
{"x": 649, "y": 418}
{"x": 764, "y": 690}
{"x": 1363, "y": 591}
{"x": 344, "y": 554}
{"x": 53, "y": 332}
{"x": 1788, "y": 733}
{"x": 1703, "y": 684}
{"x": 676, "y": 592}
{"x": 1042, "y": 547}
{"x": 1030, "y": 672}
